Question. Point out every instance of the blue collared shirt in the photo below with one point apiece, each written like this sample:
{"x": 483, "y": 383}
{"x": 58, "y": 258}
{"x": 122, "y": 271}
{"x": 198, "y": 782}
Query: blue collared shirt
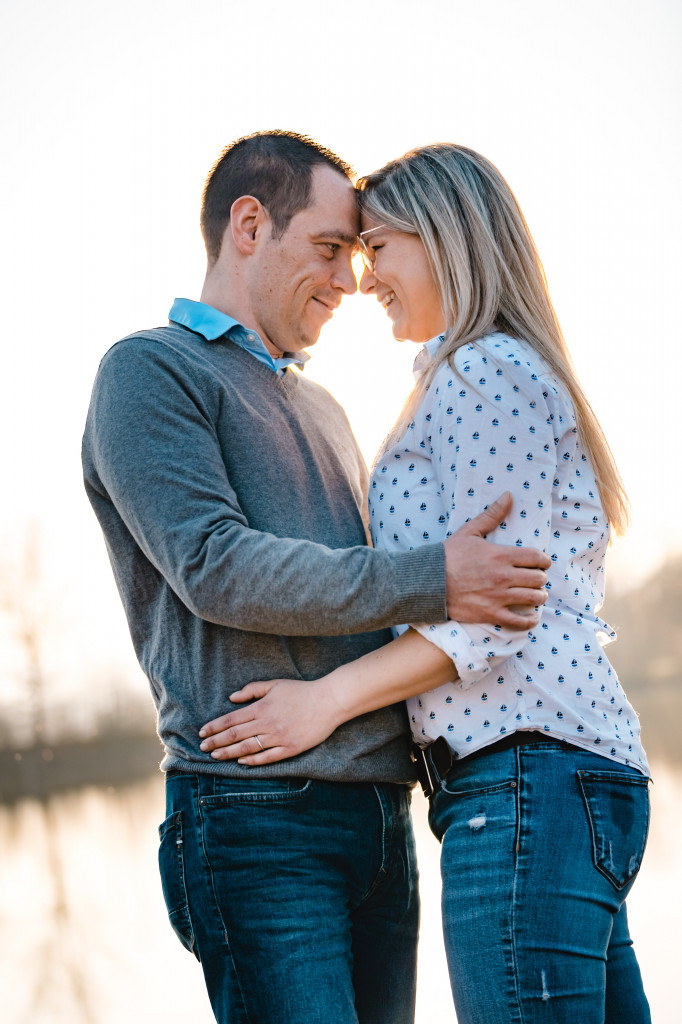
{"x": 212, "y": 324}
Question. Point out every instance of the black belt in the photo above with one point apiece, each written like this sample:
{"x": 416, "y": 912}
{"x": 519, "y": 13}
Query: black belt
{"x": 435, "y": 761}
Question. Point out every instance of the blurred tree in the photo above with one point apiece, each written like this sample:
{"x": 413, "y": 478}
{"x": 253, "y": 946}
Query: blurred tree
{"x": 26, "y": 616}
{"x": 648, "y": 655}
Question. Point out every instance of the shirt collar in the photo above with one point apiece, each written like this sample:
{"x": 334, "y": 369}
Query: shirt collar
{"x": 426, "y": 354}
{"x": 212, "y": 324}
{"x": 202, "y": 319}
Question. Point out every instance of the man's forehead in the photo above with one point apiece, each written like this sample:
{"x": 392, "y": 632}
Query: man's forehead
{"x": 332, "y": 223}
{"x": 333, "y": 190}
{"x": 333, "y": 213}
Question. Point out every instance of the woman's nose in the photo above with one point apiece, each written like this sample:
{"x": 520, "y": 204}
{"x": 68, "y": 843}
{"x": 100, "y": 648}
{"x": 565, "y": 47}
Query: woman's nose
{"x": 367, "y": 281}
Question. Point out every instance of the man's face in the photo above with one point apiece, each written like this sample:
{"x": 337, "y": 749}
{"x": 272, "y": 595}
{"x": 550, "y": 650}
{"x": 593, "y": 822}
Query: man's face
{"x": 296, "y": 281}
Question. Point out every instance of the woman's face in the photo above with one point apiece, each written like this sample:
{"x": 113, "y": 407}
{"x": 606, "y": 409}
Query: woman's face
{"x": 402, "y": 282}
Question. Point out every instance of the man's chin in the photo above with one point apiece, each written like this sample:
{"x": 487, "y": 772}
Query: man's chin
{"x": 296, "y": 346}
{"x": 307, "y": 338}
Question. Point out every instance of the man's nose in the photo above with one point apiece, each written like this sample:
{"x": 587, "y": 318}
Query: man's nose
{"x": 344, "y": 278}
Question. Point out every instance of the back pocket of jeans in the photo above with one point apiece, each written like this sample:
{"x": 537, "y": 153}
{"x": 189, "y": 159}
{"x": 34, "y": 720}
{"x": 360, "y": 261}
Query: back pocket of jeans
{"x": 617, "y": 807}
{"x": 172, "y": 868}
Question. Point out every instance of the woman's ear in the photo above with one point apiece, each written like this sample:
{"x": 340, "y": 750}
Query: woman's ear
{"x": 247, "y": 220}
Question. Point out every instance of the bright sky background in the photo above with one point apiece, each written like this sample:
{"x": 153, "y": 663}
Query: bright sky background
{"x": 113, "y": 113}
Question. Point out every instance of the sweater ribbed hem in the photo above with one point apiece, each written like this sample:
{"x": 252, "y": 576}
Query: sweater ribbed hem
{"x": 382, "y": 770}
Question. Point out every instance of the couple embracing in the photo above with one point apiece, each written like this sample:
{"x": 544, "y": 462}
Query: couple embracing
{"x": 233, "y": 500}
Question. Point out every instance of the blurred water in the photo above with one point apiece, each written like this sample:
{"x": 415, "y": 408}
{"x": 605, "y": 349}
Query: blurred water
{"x": 85, "y": 938}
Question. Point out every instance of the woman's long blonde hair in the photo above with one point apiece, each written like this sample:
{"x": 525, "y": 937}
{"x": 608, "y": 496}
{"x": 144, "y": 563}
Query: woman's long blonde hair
{"x": 488, "y": 276}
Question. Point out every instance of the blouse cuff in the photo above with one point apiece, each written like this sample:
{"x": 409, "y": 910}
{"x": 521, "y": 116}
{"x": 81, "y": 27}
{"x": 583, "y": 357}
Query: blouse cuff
{"x": 472, "y": 661}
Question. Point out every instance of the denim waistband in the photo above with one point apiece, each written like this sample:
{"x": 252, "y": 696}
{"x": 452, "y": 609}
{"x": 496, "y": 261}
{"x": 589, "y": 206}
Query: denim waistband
{"x": 435, "y": 761}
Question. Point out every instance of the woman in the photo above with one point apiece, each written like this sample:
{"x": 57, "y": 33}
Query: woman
{"x": 533, "y": 754}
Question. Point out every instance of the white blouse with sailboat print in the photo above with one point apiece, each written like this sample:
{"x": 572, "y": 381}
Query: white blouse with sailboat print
{"x": 500, "y": 421}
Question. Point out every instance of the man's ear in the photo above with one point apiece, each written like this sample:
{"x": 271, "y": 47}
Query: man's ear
{"x": 247, "y": 221}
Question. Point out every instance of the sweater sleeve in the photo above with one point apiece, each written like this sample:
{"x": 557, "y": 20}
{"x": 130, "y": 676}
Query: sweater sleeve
{"x": 153, "y": 460}
{"x": 492, "y": 431}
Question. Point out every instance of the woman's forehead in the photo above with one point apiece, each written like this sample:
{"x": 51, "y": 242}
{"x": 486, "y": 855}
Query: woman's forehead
{"x": 368, "y": 223}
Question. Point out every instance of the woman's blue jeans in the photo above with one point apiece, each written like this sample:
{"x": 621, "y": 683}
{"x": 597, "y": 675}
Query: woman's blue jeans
{"x": 299, "y": 897}
{"x": 540, "y": 846}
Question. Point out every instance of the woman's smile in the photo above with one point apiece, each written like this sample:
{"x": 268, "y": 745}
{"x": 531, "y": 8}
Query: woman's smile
{"x": 398, "y": 274}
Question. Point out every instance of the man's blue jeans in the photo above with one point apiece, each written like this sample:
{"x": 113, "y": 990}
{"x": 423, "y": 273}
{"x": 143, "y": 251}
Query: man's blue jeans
{"x": 298, "y": 897}
{"x": 540, "y": 846}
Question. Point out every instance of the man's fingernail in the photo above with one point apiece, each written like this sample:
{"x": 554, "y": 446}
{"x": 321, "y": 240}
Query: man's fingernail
{"x": 202, "y": 733}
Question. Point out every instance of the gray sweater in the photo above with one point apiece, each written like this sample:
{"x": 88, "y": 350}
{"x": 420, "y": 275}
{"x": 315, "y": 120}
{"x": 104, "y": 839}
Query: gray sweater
{"x": 231, "y": 503}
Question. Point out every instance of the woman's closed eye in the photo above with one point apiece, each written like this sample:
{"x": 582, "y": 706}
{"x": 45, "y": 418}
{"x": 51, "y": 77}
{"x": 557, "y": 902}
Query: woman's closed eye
{"x": 368, "y": 251}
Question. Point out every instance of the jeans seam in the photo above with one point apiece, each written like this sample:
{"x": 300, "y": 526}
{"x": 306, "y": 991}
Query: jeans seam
{"x": 174, "y": 824}
{"x": 517, "y": 850}
{"x": 216, "y": 902}
{"x": 382, "y": 873}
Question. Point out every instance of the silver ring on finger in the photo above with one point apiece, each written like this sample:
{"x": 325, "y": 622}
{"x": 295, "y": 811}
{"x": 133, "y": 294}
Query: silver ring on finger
{"x": 259, "y": 742}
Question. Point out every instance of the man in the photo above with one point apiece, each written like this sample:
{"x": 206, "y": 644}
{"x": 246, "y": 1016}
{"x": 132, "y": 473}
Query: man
{"x": 231, "y": 493}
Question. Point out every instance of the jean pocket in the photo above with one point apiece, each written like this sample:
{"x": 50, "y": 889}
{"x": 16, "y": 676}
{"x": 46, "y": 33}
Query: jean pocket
{"x": 617, "y": 807}
{"x": 172, "y": 868}
{"x": 464, "y": 808}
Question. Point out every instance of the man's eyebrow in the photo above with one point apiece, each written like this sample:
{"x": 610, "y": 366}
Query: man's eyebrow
{"x": 337, "y": 236}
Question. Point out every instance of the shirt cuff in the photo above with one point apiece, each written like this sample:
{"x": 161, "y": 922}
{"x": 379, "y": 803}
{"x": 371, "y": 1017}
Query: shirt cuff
{"x": 473, "y": 660}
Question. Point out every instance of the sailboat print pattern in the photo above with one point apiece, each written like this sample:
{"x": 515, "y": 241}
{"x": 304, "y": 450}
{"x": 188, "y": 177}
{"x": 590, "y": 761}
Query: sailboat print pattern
{"x": 501, "y": 421}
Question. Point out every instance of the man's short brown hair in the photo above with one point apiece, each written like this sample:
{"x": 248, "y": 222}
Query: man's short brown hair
{"x": 274, "y": 167}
